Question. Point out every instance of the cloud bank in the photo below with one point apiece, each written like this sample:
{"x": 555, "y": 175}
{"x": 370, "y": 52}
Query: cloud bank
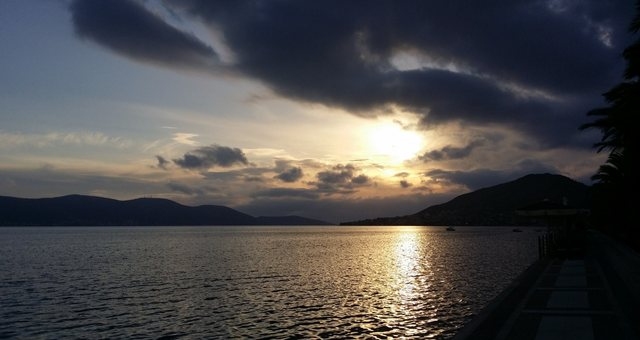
{"x": 128, "y": 28}
{"x": 534, "y": 66}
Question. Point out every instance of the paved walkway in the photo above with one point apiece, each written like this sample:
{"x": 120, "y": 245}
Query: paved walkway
{"x": 587, "y": 293}
{"x": 570, "y": 300}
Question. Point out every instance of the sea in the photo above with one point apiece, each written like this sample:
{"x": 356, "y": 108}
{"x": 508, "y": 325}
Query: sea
{"x": 257, "y": 282}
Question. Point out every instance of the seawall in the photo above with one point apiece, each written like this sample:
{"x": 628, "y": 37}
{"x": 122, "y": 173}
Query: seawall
{"x": 586, "y": 292}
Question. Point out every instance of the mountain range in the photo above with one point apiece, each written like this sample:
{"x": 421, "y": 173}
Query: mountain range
{"x": 495, "y": 205}
{"x": 79, "y": 210}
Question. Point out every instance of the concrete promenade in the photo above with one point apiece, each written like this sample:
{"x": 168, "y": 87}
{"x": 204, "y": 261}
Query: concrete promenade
{"x": 588, "y": 292}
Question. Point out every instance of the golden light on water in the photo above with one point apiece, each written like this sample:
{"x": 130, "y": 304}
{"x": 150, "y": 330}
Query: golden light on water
{"x": 407, "y": 253}
{"x": 407, "y": 256}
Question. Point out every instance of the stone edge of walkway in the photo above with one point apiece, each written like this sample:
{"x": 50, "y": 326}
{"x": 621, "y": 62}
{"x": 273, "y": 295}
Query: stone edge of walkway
{"x": 621, "y": 266}
{"x": 489, "y": 321}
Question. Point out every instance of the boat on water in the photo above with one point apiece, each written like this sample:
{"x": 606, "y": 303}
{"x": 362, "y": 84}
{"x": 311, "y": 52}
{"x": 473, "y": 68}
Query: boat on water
{"x": 451, "y": 229}
{"x": 517, "y": 230}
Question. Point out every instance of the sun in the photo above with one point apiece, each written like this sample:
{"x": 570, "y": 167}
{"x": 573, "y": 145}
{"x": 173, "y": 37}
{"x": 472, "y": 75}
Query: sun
{"x": 394, "y": 142}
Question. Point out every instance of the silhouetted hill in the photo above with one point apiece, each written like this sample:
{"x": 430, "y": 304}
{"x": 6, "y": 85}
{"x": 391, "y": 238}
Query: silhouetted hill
{"x": 494, "y": 205}
{"x": 79, "y": 210}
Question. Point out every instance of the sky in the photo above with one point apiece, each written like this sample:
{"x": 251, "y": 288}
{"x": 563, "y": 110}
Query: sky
{"x": 335, "y": 110}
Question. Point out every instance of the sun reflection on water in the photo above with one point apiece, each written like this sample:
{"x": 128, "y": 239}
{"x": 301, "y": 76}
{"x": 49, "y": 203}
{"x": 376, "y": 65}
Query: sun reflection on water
{"x": 407, "y": 255}
{"x": 407, "y": 271}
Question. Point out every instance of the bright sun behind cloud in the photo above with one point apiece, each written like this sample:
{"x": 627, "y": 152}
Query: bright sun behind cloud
{"x": 390, "y": 140}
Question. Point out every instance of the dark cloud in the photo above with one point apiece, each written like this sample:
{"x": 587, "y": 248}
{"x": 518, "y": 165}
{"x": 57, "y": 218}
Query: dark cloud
{"x": 340, "y": 178}
{"x": 450, "y": 152}
{"x": 128, "y": 28}
{"x": 360, "y": 180}
{"x": 290, "y": 175}
{"x": 210, "y": 156}
{"x": 536, "y": 66}
{"x": 405, "y": 184}
{"x": 340, "y": 175}
{"x": 481, "y": 178}
{"x": 162, "y": 162}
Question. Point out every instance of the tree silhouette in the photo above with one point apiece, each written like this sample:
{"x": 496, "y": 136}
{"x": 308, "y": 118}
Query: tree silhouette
{"x": 612, "y": 172}
{"x": 616, "y": 180}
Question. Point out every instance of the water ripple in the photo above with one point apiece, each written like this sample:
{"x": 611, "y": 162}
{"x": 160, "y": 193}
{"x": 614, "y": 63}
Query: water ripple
{"x": 252, "y": 282}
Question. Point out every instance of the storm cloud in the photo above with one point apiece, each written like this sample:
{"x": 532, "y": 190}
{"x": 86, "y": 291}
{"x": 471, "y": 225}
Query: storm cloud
{"x": 535, "y": 66}
{"x": 128, "y": 28}
{"x": 209, "y": 156}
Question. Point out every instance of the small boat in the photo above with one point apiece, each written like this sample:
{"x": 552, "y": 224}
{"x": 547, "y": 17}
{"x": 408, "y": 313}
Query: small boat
{"x": 517, "y": 230}
{"x": 451, "y": 229}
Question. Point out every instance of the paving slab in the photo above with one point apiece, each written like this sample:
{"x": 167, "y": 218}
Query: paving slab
{"x": 565, "y": 328}
{"x": 573, "y": 270}
{"x": 568, "y": 300}
{"x": 571, "y": 281}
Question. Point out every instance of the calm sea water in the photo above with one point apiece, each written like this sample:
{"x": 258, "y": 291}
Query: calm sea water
{"x": 252, "y": 282}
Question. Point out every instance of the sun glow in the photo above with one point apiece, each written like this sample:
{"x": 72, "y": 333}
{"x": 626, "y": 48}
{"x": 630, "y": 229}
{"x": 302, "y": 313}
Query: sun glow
{"x": 394, "y": 142}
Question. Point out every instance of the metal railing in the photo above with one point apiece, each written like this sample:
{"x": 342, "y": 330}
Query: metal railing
{"x": 547, "y": 244}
